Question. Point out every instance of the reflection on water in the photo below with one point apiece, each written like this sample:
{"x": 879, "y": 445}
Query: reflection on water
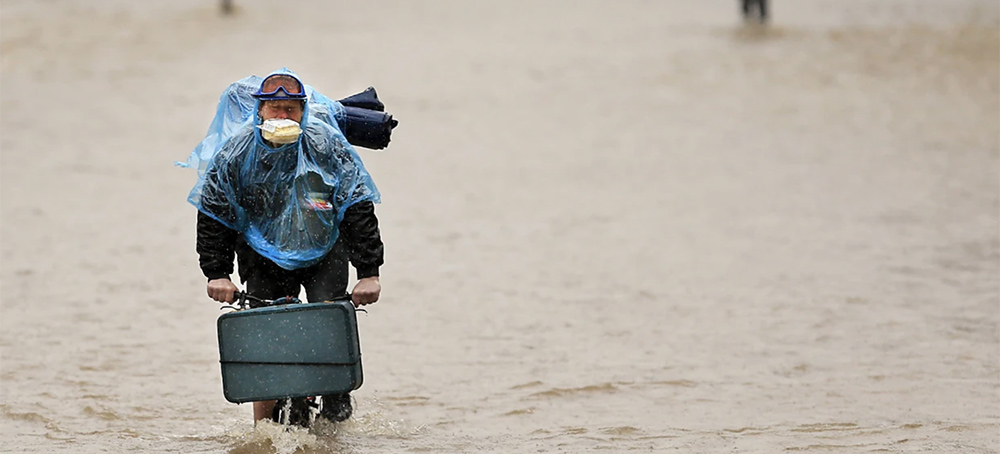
{"x": 351, "y": 436}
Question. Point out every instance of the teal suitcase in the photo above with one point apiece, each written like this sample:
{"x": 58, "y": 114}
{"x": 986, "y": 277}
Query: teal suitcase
{"x": 292, "y": 350}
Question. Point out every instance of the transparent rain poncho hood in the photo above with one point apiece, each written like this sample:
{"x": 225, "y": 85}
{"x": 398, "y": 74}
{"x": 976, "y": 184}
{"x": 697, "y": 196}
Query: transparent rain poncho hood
{"x": 286, "y": 200}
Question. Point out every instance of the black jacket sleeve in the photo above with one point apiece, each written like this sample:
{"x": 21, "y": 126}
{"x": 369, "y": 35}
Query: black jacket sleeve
{"x": 216, "y": 246}
{"x": 359, "y": 231}
{"x": 216, "y": 243}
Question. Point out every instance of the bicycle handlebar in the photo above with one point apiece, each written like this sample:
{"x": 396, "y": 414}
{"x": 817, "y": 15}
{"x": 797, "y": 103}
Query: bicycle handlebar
{"x": 243, "y": 298}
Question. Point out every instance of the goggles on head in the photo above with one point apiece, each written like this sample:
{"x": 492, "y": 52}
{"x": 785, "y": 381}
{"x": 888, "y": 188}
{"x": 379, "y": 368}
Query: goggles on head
{"x": 280, "y": 86}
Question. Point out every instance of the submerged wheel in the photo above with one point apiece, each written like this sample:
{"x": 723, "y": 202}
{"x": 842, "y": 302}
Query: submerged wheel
{"x": 296, "y": 411}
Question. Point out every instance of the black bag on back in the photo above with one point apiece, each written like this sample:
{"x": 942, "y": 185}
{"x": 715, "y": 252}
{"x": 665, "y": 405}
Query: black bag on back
{"x": 366, "y": 123}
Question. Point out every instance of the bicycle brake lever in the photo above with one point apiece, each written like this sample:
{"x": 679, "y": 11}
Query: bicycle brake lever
{"x": 241, "y": 300}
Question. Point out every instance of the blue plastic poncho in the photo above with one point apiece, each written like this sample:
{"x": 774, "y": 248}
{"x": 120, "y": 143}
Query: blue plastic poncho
{"x": 286, "y": 201}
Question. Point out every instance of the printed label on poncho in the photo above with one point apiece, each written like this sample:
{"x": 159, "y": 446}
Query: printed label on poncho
{"x": 318, "y": 201}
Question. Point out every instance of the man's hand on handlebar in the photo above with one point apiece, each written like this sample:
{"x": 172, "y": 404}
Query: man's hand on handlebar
{"x": 222, "y": 290}
{"x": 366, "y": 291}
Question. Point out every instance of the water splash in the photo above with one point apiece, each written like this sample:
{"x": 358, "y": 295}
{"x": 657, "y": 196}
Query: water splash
{"x": 375, "y": 419}
{"x": 268, "y": 437}
{"x": 370, "y": 421}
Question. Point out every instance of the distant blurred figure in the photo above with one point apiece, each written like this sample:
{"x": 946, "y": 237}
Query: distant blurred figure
{"x": 759, "y": 5}
{"x": 227, "y": 6}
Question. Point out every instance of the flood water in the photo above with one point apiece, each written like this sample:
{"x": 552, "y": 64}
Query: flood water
{"x": 630, "y": 226}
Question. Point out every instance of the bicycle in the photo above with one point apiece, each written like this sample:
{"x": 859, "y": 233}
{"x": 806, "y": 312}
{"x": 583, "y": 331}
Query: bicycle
{"x": 265, "y": 347}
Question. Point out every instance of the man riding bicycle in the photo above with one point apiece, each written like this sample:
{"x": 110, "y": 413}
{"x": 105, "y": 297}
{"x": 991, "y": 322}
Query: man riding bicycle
{"x": 290, "y": 198}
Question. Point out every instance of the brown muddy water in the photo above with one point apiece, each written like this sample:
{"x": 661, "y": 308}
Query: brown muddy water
{"x": 610, "y": 226}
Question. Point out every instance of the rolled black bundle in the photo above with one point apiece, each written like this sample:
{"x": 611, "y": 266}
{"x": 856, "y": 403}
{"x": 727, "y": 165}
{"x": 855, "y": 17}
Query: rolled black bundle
{"x": 367, "y": 128}
{"x": 365, "y": 123}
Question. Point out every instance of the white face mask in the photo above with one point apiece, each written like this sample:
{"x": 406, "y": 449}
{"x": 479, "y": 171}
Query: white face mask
{"x": 280, "y": 131}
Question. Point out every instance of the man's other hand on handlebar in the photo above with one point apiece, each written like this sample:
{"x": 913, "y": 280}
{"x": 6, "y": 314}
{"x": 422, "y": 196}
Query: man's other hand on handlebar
{"x": 366, "y": 291}
{"x": 222, "y": 290}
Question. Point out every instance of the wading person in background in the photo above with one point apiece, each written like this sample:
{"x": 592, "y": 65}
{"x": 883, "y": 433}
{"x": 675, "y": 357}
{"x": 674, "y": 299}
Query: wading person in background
{"x": 759, "y": 5}
{"x": 290, "y": 198}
